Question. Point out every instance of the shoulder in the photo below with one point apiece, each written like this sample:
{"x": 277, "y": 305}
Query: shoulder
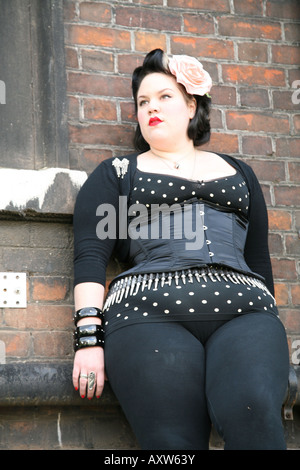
{"x": 243, "y": 167}
{"x": 115, "y": 166}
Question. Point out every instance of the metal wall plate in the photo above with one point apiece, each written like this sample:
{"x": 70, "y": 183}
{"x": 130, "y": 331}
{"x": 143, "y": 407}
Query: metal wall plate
{"x": 13, "y": 290}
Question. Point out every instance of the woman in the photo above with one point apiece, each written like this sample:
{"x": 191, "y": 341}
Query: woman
{"x": 192, "y": 334}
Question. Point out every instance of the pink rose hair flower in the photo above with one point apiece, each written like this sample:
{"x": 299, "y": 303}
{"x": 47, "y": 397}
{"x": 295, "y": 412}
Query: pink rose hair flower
{"x": 190, "y": 73}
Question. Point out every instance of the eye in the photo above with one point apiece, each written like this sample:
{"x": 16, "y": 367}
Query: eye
{"x": 166, "y": 96}
{"x": 142, "y": 102}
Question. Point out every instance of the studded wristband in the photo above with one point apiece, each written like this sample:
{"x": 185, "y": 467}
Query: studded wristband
{"x": 86, "y": 336}
{"x": 88, "y": 312}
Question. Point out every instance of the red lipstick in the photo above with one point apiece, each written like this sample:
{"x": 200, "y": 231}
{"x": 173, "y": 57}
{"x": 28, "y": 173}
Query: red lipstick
{"x": 154, "y": 121}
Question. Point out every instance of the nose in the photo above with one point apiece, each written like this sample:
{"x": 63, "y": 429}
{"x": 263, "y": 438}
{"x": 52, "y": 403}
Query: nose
{"x": 153, "y": 106}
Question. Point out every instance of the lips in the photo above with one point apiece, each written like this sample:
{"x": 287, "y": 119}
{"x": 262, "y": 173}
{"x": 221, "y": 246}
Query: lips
{"x": 154, "y": 121}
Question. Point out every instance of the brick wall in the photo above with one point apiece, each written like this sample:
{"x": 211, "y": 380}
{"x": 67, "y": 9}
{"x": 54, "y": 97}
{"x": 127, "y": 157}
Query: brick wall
{"x": 250, "y": 48}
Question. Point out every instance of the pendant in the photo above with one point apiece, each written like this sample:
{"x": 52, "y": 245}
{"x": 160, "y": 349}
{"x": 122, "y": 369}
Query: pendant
{"x": 176, "y": 166}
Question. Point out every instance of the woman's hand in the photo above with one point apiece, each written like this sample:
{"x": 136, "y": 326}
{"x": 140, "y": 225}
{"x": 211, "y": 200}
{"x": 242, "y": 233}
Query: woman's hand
{"x": 89, "y": 360}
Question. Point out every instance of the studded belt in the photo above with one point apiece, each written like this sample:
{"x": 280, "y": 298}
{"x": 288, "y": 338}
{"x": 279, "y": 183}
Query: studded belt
{"x": 131, "y": 285}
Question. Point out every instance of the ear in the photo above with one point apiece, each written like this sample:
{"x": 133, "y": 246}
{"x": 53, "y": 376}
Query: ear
{"x": 192, "y": 107}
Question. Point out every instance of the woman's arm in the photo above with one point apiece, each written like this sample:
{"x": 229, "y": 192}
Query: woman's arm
{"x": 89, "y": 294}
{"x": 91, "y": 256}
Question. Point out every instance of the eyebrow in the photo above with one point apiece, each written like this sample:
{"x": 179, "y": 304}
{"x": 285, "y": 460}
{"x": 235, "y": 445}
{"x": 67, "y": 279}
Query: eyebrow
{"x": 160, "y": 91}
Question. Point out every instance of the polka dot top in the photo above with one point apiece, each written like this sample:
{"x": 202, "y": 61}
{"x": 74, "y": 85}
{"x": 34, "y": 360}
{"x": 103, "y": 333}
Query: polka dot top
{"x": 152, "y": 188}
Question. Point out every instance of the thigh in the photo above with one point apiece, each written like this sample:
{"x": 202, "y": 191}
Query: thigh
{"x": 157, "y": 372}
{"x": 247, "y": 375}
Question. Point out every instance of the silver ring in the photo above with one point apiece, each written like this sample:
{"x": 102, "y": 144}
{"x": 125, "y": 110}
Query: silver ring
{"x": 91, "y": 380}
{"x": 83, "y": 376}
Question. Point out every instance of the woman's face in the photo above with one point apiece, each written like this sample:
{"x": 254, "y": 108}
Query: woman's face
{"x": 163, "y": 111}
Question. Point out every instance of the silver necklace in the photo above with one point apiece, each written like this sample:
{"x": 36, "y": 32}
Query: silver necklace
{"x": 175, "y": 164}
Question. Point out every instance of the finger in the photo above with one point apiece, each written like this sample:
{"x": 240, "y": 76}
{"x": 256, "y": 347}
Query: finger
{"x": 99, "y": 386}
{"x": 82, "y": 384}
{"x": 75, "y": 378}
{"x": 91, "y": 384}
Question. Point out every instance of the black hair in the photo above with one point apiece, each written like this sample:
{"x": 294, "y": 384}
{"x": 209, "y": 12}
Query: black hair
{"x": 199, "y": 125}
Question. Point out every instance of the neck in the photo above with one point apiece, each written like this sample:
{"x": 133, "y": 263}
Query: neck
{"x": 176, "y": 156}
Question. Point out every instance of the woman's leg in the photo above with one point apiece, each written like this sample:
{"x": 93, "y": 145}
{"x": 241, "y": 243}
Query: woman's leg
{"x": 157, "y": 371}
{"x": 247, "y": 375}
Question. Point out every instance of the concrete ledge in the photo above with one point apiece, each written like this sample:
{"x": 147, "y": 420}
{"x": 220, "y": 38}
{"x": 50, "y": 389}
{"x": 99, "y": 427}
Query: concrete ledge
{"x": 47, "y": 191}
{"x": 39, "y": 384}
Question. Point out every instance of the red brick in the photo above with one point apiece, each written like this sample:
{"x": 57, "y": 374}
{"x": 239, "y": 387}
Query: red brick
{"x": 216, "y": 119}
{"x": 266, "y": 189}
{"x": 223, "y": 143}
{"x": 49, "y": 288}
{"x": 223, "y": 95}
{"x": 254, "y": 97}
{"x": 17, "y": 344}
{"x": 199, "y": 24}
{"x": 279, "y": 220}
{"x": 293, "y": 245}
{"x": 101, "y": 85}
{"x": 251, "y": 7}
{"x": 276, "y": 247}
{"x": 149, "y": 2}
{"x": 252, "y": 75}
{"x": 281, "y": 294}
{"x": 256, "y": 145}
{"x": 71, "y": 57}
{"x": 284, "y": 269}
{"x": 74, "y": 107}
{"x": 127, "y": 112}
{"x": 98, "y": 109}
{"x": 97, "y": 134}
{"x": 267, "y": 170}
{"x": 287, "y": 195}
{"x": 294, "y": 172}
{"x": 97, "y": 36}
{"x": 257, "y": 122}
{"x": 296, "y": 122}
{"x": 97, "y": 60}
{"x": 38, "y": 317}
{"x": 70, "y": 12}
{"x": 283, "y": 100}
{"x": 146, "y": 41}
{"x": 293, "y": 75}
{"x": 128, "y": 62}
{"x": 92, "y": 158}
{"x": 283, "y": 54}
{"x": 202, "y": 47}
{"x": 287, "y": 147}
{"x": 213, "y": 5}
{"x": 295, "y": 292}
{"x": 253, "y": 52}
{"x": 231, "y": 26}
{"x": 50, "y": 344}
{"x": 291, "y": 319}
{"x": 292, "y": 32}
{"x": 283, "y": 9}
{"x": 95, "y": 12}
{"x": 135, "y": 17}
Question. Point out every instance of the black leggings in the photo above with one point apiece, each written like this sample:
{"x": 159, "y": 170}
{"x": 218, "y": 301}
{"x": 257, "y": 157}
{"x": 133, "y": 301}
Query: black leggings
{"x": 173, "y": 382}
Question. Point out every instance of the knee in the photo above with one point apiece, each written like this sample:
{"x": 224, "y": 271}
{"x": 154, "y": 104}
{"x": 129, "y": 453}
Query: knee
{"x": 250, "y": 419}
